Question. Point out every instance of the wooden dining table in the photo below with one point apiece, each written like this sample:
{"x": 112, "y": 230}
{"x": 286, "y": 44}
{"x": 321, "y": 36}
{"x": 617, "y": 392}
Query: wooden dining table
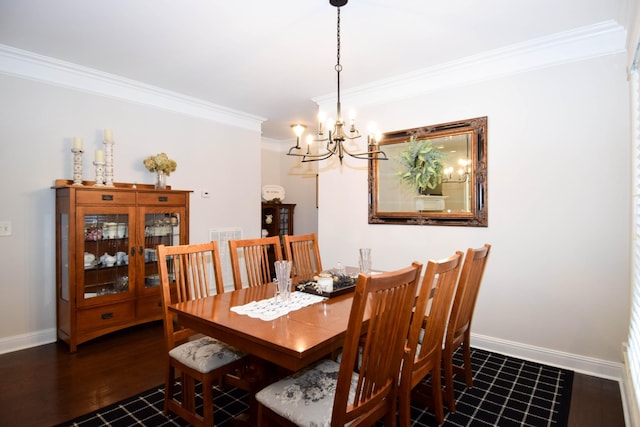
{"x": 292, "y": 341}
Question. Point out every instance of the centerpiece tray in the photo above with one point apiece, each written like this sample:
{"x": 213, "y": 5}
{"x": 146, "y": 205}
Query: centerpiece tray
{"x": 342, "y": 284}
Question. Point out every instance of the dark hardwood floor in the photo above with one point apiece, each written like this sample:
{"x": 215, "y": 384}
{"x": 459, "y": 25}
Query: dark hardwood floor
{"x": 46, "y": 385}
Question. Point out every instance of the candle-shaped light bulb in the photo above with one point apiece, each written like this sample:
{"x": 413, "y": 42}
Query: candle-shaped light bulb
{"x": 99, "y": 156}
{"x": 298, "y": 129}
{"x": 108, "y": 135}
{"x": 77, "y": 143}
{"x": 309, "y": 142}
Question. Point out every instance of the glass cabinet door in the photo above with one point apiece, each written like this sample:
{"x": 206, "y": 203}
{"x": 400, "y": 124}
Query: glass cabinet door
{"x": 107, "y": 248}
{"x": 160, "y": 228}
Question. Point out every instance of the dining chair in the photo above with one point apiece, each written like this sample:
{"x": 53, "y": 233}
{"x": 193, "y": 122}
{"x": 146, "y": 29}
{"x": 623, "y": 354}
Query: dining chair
{"x": 257, "y": 256}
{"x": 423, "y": 354}
{"x": 302, "y": 250}
{"x": 459, "y": 327}
{"x": 187, "y": 272}
{"x": 332, "y": 393}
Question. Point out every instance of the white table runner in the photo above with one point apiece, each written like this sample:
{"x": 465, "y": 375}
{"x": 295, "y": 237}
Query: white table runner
{"x": 270, "y": 309}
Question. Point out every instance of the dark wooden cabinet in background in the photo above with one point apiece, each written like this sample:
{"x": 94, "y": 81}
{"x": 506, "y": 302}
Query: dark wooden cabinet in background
{"x": 277, "y": 218}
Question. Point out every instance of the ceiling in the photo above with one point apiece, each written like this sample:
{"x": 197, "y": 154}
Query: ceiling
{"x": 271, "y": 59}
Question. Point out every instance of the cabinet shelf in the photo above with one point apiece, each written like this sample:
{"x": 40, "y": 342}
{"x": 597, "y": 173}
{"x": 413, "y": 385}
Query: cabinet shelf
{"x": 103, "y": 267}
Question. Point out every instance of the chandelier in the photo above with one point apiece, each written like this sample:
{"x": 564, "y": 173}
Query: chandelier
{"x": 337, "y": 133}
{"x": 463, "y": 172}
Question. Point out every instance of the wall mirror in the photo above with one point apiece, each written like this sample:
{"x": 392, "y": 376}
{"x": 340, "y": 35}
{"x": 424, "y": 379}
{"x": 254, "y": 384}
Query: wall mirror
{"x": 435, "y": 175}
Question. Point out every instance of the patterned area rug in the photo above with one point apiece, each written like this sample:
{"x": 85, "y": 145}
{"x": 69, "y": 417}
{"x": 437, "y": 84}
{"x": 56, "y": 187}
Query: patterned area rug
{"x": 506, "y": 392}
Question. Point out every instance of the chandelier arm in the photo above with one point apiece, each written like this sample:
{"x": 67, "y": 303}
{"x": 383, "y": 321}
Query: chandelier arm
{"x": 316, "y": 157}
{"x": 320, "y": 156}
{"x": 370, "y": 155}
{"x": 367, "y": 154}
{"x": 457, "y": 181}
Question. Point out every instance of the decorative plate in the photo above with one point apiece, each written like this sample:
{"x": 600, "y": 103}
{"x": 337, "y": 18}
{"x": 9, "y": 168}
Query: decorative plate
{"x": 270, "y": 192}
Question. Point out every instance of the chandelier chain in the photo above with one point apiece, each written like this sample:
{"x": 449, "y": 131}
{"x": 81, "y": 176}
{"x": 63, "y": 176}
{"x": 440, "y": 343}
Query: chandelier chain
{"x": 338, "y": 66}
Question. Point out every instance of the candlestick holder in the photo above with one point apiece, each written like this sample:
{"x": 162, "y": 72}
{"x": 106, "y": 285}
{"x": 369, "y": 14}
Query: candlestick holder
{"x": 99, "y": 174}
{"x": 108, "y": 157}
{"x": 77, "y": 165}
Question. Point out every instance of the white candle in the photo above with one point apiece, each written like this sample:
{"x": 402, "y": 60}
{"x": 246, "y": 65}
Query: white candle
{"x": 77, "y": 143}
{"x": 99, "y": 156}
{"x": 108, "y": 135}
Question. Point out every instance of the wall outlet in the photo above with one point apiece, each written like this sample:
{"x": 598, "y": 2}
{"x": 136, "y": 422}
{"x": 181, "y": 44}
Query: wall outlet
{"x": 5, "y": 228}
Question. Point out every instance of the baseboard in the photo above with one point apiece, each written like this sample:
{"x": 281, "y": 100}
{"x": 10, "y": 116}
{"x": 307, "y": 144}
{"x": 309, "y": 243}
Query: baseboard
{"x": 629, "y": 397}
{"x": 586, "y": 365}
{"x": 34, "y": 339}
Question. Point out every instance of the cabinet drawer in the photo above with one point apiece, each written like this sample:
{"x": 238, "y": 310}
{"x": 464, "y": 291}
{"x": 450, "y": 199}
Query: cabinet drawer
{"x": 157, "y": 198}
{"x": 105, "y": 316}
{"x": 149, "y": 307}
{"x": 105, "y": 197}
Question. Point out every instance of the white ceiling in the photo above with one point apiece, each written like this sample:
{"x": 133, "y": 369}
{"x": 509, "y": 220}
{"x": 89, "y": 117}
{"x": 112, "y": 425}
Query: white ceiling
{"x": 271, "y": 58}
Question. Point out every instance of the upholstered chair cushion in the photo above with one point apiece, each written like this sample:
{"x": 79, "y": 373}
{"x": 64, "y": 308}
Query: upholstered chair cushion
{"x": 358, "y": 363}
{"x": 205, "y": 354}
{"x": 306, "y": 397}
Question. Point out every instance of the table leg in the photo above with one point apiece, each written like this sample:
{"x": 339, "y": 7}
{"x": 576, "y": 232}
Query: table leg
{"x": 255, "y": 378}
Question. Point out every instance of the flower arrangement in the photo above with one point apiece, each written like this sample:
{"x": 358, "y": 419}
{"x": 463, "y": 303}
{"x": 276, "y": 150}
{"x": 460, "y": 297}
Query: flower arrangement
{"x": 423, "y": 165}
{"x": 160, "y": 163}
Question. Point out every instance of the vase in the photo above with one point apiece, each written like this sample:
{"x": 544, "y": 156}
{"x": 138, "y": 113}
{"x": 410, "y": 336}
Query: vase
{"x": 161, "y": 180}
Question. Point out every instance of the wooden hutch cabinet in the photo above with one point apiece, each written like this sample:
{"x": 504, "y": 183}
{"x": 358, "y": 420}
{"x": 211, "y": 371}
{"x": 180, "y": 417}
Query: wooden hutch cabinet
{"x": 277, "y": 218}
{"x": 106, "y": 263}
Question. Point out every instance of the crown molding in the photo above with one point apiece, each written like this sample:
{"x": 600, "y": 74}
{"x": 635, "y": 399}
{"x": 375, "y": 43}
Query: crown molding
{"x": 604, "y": 38}
{"x": 29, "y": 65}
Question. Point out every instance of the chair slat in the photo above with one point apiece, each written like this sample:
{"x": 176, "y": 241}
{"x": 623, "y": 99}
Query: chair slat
{"x": 254, "y": 255}
{"x": 303, "y": 251}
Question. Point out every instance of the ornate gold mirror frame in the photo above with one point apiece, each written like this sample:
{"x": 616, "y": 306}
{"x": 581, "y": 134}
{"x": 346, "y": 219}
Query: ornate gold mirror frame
{"x": 435, "y": 175}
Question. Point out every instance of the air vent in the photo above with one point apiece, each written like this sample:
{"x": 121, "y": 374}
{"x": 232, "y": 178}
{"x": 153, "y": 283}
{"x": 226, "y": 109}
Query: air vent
{"x": 222, "y": 236}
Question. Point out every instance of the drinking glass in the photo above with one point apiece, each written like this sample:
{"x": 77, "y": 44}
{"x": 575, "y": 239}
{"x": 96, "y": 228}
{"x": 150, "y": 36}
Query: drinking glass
{"x": 365, "y": 260}
{"x": 283, "y": 274}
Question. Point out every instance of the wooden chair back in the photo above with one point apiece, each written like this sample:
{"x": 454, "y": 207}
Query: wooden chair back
{"x": 258, "y": 256}
{"x": 389, "y": 299}
{"x": 424, "y": 357}
{"x": 187, "y": 272}
{"x": 467, "y": 293}
{"x": 302, "y": 250}
{"x": 459, "y": 327}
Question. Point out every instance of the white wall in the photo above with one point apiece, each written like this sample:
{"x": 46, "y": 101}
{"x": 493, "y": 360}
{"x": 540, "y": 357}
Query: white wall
{"x": 298, "y": 180}
{"x": 557, "y": 281}
{"x": 38, "y": 122}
